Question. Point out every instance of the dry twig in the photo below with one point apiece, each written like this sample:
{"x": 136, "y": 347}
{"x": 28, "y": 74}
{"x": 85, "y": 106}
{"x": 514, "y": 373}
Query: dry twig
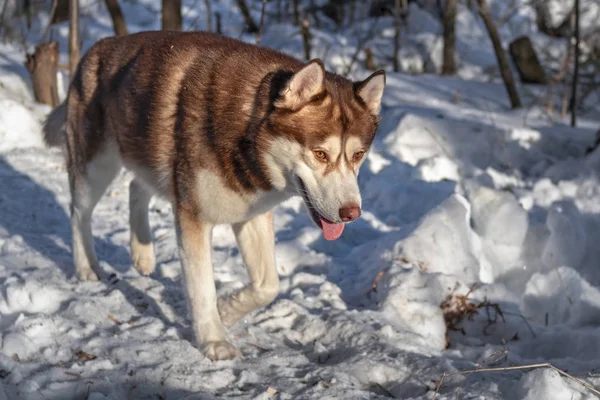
{"x": 516, "y": 368}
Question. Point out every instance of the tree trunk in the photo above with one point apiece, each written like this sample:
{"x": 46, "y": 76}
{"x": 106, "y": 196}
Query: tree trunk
{"x": 279, "y": 11}
{"x": 27, "y": 7}
{"x": 208, "y": 7}
{"x": 262, "y": 22}
{"x": 369, "y": 61}
{"x": 50, "y": 18}
{"x": 171, "y": 15}
{"x": 251, "y": 26}
{"x": 119, "y": 24}
{"x": 573, "y": 103}
{"x": 448, "y": 67}
{"x": 62, "y": 12}
{"x": 507, "y": 76}
{"x": 296, "y": 6}
{"x": 352, "y": 12}
{"x": 306, "y": 36}
{"x": 397, "y": 22}
{"x": 2, "y": 14}
{"x": 314, "y": 9}
{"x": 74, "y": 48}
{"x": 218, "y": 23}
{"x": 42, "y": 66}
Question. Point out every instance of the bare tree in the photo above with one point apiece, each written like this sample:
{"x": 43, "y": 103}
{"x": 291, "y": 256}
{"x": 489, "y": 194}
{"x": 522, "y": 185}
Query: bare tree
{"x": 42, "y": 66}
{"x": 171, "y": 15}
{"x": 573, "y": 103}
{"x": 251, "y": 26}
{"x": 262, "y": 22}
{"x": 27, "y": 9}
{"x": 505, "y": 71}
{"x": 448, "y": 67}
{"x": 61, "y": 13}
{"x": 306, "y": 37}
{"x": 397, "y": 24}
{"x": 218, "y": 22}
{"x": 564, "y": 73}
{"x": 369, "y": 60}
{"x": 74, "y": 49}
{"x": 208, "y": 7}
{"x": 296, "y": 7}
{"x": 279, "y": 11}
{"x": 361, "y": 43}
{"x": 314, "y": 10}
{"x": 119, "y": 24}
{"x": 44, "y": 36}
{"x": 2, "y": 14}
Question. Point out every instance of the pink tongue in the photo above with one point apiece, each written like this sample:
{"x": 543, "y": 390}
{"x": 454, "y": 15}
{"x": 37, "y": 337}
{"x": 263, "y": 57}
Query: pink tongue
{"x": 331, "y": 230}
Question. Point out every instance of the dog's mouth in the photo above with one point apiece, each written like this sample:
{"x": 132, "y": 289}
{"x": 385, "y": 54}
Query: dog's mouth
{"x": 331, "y": 230}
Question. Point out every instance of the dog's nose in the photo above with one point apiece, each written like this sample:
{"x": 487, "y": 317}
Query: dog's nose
{"x": 349, "y": 212}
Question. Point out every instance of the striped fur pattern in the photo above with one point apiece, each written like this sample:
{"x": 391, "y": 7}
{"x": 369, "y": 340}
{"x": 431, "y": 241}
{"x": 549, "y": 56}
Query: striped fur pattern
{"x": 224, "y": 130}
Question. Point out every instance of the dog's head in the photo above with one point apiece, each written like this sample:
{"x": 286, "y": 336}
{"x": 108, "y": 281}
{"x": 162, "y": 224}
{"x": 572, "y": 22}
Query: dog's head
{"x": 321, "y": 129}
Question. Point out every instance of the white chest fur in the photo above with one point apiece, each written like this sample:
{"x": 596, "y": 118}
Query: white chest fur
{"x": 221, "y": 205}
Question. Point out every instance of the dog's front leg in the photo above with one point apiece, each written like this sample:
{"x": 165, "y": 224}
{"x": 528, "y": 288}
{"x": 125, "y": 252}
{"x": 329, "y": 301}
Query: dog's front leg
{"x": 194, "y": 239}
{"x": 256, "y": 240}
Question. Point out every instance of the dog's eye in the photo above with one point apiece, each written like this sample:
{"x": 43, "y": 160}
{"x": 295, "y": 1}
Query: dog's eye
{"x": 358, "y": 156}
{"x": 320, "y": 155}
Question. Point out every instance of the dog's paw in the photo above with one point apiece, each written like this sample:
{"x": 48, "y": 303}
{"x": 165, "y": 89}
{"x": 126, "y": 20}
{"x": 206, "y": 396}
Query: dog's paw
{"x": 143, "y": 258}
{"x": 87, "y": 274}
{"x": 221, "y": 350}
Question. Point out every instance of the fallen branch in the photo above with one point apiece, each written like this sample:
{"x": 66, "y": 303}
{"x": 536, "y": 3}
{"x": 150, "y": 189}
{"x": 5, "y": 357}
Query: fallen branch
{"x": 516, "y": 368}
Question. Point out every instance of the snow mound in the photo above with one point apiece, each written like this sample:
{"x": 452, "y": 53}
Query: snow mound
{"x": 16, "y": 124}
{"x": 545, "y": 384}
{"x": 567, "y": 242}
{"x": 564, "y": 296}
{"x": 444, "y": 242}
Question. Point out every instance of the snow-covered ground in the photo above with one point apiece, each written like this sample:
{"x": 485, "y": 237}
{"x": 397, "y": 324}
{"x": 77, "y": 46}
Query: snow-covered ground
{"x": 461, "y": 195}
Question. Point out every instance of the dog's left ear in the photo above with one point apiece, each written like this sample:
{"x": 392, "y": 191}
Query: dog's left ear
{"x": 370, "y": 91}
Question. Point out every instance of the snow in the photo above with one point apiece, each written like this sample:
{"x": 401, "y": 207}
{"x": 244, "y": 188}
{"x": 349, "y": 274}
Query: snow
{"x": 462, "y": 196}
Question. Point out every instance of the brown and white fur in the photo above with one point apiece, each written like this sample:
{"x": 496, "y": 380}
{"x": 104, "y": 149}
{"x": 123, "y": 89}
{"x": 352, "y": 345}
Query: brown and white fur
{"x": 224, "y": 130}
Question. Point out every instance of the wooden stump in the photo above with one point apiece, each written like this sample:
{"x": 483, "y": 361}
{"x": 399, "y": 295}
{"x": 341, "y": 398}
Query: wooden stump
{"x": 42, "y": 66}
{"x": 527, "y": 62}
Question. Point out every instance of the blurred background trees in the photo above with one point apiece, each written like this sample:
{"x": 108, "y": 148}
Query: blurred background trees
{"x": 408, "y": 36}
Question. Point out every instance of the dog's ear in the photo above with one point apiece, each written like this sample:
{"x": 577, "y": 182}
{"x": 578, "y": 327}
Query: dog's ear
{"x": 303, "y": 86}
{"x": 370, "y": 91}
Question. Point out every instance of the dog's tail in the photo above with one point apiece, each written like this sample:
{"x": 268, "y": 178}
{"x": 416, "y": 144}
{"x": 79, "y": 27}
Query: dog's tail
{"x": 54, "y": 128}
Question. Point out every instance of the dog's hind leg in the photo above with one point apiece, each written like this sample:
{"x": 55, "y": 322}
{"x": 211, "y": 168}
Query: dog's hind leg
{"x": 142, "y": 249}
{"x": 88, "y": 183}
{"x": 256, "y": 240}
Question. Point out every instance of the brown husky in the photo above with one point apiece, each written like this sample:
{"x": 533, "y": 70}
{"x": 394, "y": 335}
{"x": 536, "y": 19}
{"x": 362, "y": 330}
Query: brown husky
{"x": 224, "y": 130}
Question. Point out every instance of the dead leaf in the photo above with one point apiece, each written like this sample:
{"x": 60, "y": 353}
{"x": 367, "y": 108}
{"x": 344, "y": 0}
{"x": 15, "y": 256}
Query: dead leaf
{"x": 379, "y": 275}
{"x": 82, "y": 355}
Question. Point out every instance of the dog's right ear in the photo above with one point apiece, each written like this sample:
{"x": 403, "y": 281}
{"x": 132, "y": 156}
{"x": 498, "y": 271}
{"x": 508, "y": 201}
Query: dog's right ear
{"x": 303, "y": 86}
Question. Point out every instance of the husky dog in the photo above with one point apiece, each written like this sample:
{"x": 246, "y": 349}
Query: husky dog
{"x": 226, "y": 131}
